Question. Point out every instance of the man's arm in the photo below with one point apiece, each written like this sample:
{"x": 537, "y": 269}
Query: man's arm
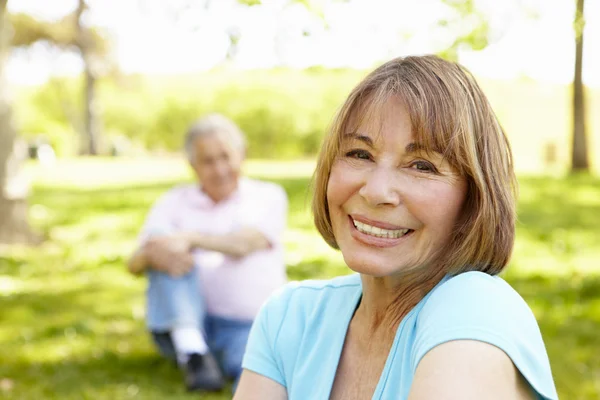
{"x": 236, "y": 244}
{"x": 261, "y": 230}
{"x": 170, "y": 254}
{"x": 152, "y": 252}
{"x": 159, "y": 251}
{"x": 138, "y": 262}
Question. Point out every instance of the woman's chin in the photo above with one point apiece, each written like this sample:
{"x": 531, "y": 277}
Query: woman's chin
{"x": 374, "y": 270}
{"x": 380, "y": 267}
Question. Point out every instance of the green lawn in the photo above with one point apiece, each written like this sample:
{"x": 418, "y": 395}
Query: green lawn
{"x": 71, "y": 320}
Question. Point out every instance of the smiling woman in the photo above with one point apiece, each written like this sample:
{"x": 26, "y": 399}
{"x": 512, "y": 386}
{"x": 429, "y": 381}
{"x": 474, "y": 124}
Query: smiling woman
{"x": 386, "y": 181}
{"x": 415, "y": 186}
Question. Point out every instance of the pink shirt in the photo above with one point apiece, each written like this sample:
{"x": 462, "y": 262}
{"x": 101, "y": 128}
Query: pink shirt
{"x": 233, "y": 287}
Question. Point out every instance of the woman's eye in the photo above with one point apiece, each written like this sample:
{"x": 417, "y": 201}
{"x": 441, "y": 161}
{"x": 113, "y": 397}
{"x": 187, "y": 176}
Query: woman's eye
{"x": 423, "y": 166}
{"x": 359, "y": 154}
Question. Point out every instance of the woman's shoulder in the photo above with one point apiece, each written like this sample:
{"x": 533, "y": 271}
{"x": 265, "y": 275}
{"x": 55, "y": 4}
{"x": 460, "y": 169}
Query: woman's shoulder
{"x": 477, "y": 306}
{"x": 477, "y": 301}
{"x": 302, "y": 307}
{"x": 307, "y": 294}
{"x": 475, "y": 283}
{"x": 294, "y": 327}
{"x": 477, "y": 293}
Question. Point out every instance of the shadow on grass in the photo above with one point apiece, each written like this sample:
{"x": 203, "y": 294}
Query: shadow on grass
{"x": 79, "y": 309}
{"x": 52, "y": 315}
{"x": 83, "y": 341}
{"x": 568, "y": 312}
{"x": 110, "y": 375}
{"x": 85, "y": 203}
{"x": 550, "y": 204}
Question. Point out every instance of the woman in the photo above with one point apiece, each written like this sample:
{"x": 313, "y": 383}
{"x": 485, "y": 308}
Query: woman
{"x": 415, "y": 186}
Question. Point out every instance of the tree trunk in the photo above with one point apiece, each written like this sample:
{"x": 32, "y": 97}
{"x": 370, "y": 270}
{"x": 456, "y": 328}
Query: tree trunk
{"x": 91, "y": 111}
{"x": 91, "y": 121}
{"x": 13, "y": 187}
{"x": 579, "y": 157}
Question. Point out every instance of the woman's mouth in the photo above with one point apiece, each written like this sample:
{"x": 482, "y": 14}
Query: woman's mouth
{"x": 379, "y": 232}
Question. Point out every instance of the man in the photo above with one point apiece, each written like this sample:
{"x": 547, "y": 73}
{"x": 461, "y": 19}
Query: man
{"x": 212, "y": 253}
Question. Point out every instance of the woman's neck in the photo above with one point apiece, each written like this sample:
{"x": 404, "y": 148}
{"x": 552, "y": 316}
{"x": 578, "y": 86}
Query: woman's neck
{"x": 387, "y": 300}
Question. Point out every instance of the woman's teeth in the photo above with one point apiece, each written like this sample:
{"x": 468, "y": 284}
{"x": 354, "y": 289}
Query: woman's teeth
{"x": 379, "y": 232}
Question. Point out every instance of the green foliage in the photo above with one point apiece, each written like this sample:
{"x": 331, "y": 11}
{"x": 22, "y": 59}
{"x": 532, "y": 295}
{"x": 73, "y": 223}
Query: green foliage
{"x": 28, "y": 30}
{"x": 283, "y": 113}
{"x": 469, "y": 27}
{"x": 250, "y": 2}
{"x": 579, "y": 20}
{"x": 72, "y": 324}
{"x": 54, "y": 114}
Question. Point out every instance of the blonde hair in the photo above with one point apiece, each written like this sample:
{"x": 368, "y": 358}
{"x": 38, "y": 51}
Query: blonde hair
{"x": 449, "y": 114}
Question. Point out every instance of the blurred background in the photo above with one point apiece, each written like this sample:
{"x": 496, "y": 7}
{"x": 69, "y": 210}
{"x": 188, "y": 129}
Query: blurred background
{"x": 95, "y": 98}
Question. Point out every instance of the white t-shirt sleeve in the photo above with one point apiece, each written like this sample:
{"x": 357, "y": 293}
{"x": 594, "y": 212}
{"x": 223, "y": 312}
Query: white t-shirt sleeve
{"x": 477, "y": 306}
{"x": 159, "y": 220}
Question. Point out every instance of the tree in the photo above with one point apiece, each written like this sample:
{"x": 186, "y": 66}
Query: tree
{"x": 22, "y": 30}
{"x": 71, "y": 33}
{"x": 579, "y": 156}
{"x": 476, "y": 38}
{"x": 13, "y": 208}
{"x": 85, "y": 43}
{"x": 468, "y": 28}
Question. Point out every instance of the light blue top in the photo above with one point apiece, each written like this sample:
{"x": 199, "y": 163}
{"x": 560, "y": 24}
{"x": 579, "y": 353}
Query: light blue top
{"x": 298, "y": 336}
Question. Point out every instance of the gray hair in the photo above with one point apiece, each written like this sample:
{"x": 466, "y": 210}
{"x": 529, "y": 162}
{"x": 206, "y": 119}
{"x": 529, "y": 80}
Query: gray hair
{"x": 214, "y": 124}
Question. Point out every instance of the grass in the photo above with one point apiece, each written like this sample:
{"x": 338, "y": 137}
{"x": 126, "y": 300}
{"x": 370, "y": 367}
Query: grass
{"x": 72, "y": 323}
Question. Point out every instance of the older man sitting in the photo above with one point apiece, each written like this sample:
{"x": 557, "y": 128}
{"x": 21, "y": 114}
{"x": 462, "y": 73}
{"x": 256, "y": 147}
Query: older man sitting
{"x": 212, "y": 252}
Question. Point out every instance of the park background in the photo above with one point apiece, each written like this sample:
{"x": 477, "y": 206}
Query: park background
{"x": 94, "y": 102}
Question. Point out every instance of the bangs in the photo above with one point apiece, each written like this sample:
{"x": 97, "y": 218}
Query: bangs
{"x": 435, "y": 122}
{"x": 433, "y": 116}
{"x": 365, "y": 110}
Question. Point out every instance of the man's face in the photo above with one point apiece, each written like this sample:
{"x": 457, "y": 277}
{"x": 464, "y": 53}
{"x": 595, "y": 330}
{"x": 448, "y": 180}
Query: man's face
{"x": 217, "y": 165}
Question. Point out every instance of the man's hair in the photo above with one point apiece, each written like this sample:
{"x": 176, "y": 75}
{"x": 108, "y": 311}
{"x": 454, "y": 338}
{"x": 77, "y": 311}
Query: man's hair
{"x": 214, "y": 124}
{"x": 449, "y": 114}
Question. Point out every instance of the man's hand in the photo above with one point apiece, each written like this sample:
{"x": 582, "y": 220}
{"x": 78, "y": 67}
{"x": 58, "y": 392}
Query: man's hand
{"x": 170, "y": 254}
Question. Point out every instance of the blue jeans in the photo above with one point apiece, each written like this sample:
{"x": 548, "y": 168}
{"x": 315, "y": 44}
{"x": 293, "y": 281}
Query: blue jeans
{"x": 174, "y": 302}
{"x": 178, "y": 302}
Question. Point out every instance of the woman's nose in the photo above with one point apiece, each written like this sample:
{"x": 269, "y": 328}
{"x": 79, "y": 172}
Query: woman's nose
{"x": 381, "y": 187}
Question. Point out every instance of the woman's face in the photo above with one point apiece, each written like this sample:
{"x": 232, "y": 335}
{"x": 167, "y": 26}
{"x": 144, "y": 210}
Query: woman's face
{"x": 392, "y": 205}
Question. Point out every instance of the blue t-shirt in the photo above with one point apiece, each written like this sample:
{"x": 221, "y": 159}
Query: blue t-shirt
{"x": 298, "y": 337}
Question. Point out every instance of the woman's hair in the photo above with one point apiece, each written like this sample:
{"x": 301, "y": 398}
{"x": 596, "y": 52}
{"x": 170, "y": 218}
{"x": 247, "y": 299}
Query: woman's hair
{"x": 214, "y": 124}
{"x": 449, "y": 114}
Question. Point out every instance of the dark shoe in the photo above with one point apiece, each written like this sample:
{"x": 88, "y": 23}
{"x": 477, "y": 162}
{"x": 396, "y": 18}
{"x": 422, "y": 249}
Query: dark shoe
{"x": 202, "y": 373}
